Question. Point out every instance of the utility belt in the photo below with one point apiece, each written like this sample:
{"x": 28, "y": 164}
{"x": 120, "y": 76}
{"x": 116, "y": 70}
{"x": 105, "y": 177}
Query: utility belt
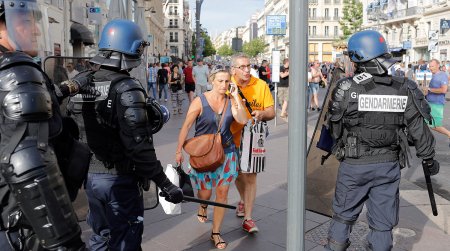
{"x": 116, "y": 168}
{"x": 352, "y": 151}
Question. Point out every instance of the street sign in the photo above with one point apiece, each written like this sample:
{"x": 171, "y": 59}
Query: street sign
{"x": 95, "y": 15}
{"x": 407, "y": 44}
{"x": 445, "y": 24}
{"x": 276, "y": 66}
{"x": 276, "y": 25}
{"x": 433, "y": 35}
{"x": 433, "y": 46}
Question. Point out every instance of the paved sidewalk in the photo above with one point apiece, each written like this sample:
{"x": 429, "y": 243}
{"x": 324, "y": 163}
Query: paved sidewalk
{"x": 417, "y": 229}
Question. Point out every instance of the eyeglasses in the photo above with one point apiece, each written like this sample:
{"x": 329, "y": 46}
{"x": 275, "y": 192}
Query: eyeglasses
{"x": 243, "y": 67}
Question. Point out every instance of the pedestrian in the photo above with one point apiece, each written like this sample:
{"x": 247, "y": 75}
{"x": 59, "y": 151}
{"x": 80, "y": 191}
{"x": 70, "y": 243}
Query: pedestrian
{"x": 200, "y": 74}
{"x": 151, "y": 76}
{"x": 189, "y": 83}
{"x": 258, "y": 96}
{"x": 435, "y": 93}
{"x": 254, "y": 71}
{"x": 263, "y": 72}
{"x": 71, "y": 72}
{"x": 409, "y": 73}
{"x": 176, "y": 91}
{"x": 206, "y": 111}
{"x": 119, "y": 132}
{"x": 36, "y": 211}
{"x": 314, "y": 85}
{"x": 162, "y": 79}
{"x": 283, "y": 88}
{"x": 371, "y": 143}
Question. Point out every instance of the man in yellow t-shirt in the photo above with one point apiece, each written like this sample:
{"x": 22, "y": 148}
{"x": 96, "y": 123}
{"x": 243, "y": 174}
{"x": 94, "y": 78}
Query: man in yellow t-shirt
{"x": 257, "y": 94}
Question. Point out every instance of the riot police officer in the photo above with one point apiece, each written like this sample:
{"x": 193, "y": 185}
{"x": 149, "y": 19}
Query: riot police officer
{"x": 119, "y": 122}
{"x": 36, "y": 212}
{"x": 372, "y": 116}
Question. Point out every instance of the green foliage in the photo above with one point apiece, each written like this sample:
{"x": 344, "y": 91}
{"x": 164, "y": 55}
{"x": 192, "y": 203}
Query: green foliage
{"x": 209, "y": 49}
{"x": 254, "y": 47}
{"x": 225, "y": 51}
{"x": 353, "y": 17}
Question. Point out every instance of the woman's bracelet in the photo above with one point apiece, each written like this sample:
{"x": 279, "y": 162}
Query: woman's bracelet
{"x": 179, "y": 152}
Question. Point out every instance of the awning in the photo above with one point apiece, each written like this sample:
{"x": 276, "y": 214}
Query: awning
{"x": 79, "y": 32}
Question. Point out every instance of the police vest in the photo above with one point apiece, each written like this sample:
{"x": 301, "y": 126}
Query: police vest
{"x": 374, "y": 116}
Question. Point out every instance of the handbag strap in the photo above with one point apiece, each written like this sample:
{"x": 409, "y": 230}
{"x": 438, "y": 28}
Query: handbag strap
{"x": 247, "y": 104}
{"x": 224, "y": 110}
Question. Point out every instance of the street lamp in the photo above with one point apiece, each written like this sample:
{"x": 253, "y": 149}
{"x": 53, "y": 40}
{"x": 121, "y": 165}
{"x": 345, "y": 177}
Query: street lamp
{"x": 198, "y": 6}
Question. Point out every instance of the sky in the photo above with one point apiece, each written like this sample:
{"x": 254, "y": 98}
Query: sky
{"x": 220, "y": 15}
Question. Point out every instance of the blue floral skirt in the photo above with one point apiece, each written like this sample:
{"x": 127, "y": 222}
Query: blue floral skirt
{"x": 223, "y": 176}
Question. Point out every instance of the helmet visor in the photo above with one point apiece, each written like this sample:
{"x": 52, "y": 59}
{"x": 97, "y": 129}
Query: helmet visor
{"x": 24, "y": 25}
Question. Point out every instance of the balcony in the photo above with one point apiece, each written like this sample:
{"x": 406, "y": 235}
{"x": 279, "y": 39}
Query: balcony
{"x": 173, "y": 40}
{"x": 173, "y": 26}
{"x": 396, "y": 16}
{"x": 313, "y": 1}
{"x": 337, "y": 1}
{"x": 327, "y": 1}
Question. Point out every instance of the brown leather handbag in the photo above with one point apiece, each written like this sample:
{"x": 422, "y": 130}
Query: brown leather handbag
{"x": 206, "y": 151}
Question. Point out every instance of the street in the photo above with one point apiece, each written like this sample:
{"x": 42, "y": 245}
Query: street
{"x": 184, "y": 232}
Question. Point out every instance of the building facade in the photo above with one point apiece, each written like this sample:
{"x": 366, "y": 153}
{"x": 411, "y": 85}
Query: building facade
{"x": 416, "y": 26}
{"x": 323, "y": 29}
{"x": 177, "y": 23}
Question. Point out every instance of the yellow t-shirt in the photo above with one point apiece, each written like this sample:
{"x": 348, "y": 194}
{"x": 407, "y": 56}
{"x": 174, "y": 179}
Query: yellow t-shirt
{"x": 258, "y": 95}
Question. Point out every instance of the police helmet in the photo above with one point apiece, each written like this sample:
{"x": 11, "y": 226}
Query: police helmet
{"x": 159, "y": 115}
{"x": 122, "y": 36}
{"x": 366, "y": 45}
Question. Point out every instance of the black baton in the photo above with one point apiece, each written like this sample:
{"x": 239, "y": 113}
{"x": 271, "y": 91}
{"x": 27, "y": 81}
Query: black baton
{"x": 207, "y": 202}
{"x": 430, "y": 191}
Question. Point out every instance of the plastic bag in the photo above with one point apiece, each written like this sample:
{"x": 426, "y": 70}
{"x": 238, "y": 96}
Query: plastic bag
{"x": 172, "y": 175}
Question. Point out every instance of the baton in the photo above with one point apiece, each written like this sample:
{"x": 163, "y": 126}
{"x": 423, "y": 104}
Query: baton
{"x": 207, "y": 202}
{"x": 430, "y": 191}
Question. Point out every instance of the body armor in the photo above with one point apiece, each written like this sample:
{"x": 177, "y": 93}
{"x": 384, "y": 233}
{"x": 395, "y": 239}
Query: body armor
{"x": 369, "y": 116}
{"x": 29, "y": 169}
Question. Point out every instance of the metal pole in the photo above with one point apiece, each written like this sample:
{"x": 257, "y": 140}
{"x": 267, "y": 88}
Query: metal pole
{"x": 198, "y": 6}
{"x": 298, "y": 27}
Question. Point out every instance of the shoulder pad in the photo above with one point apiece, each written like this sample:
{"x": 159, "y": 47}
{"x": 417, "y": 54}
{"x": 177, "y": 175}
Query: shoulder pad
{"x": 128, "y": 83}
{"x": 400, "y": 80}
{"x": 20, "y": 73}
{"x": 411, "y": 85}
{"x": 344, "y": 83}
{"x": 362, "y": 78}
{"x": 16, "y": 57}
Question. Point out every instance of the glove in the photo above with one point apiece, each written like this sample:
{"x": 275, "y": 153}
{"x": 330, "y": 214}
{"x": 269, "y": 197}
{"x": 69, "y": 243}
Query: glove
{"x": 172, "y": 193}
{"x": 83, "y": 85}
{"x": 431, "y": 166}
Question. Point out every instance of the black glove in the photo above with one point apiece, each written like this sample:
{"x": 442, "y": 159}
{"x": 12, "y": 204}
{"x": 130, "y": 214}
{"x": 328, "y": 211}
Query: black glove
{"x": 84, "y": 85}
{"x": 172, "y": 193}
{"x": 431, "y": 166}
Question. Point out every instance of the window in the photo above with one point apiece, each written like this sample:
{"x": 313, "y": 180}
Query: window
{"x": 309, "y": 12}
{"x": 336, "y": 13}
{"x": 336, "y": 31}
{"x": 173, "y": 23}
{"x": 314, "y": 12}
{"x": 173, "y": 37}
{"x": 327, "y": 12}
{"x": 309, "y": 30}
{"x": 327, "y": 31}
{"x": 314, "y": 30}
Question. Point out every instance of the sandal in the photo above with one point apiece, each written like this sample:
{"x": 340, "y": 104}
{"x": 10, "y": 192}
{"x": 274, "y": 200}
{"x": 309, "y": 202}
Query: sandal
{"x": 220, "y": 244}
{"x": 283, "y": 115}
{"x": 202, "y": 215}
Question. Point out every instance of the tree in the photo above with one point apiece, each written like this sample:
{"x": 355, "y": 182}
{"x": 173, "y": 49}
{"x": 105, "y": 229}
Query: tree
{"x": 254, "y": 47}
{"x": 225, "y": 51}
{"x": 353, "y": 17}
{"x": 208, "y": 49}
